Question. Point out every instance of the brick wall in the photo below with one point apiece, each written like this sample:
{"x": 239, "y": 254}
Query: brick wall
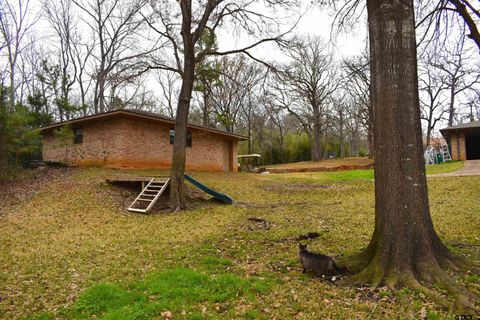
{"x": 132, "y": 143}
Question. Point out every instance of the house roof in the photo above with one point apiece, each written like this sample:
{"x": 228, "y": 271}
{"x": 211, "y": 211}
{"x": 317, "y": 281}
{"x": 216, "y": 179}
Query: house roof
{"x": 466, "y": 125}
{"x": 141, "y": 115}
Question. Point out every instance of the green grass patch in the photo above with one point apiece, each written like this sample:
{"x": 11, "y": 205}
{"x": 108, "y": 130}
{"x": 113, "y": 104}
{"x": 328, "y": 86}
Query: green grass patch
{"x": 176, "y": 291}
{"x": 214, "y": 262}
{"x": 369, "y": 174}
{"x": 473, "y": 278}
{"x": 449, "y": 166}
{"x": 350, "y": 175}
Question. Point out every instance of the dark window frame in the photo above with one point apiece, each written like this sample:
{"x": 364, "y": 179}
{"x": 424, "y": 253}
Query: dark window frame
{"x": 189, "y": 138}
{"x": 78, "y": 136}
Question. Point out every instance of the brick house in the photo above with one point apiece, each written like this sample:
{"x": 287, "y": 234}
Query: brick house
{"x": 464, "y": 140}
{"x": 136, "y": 139}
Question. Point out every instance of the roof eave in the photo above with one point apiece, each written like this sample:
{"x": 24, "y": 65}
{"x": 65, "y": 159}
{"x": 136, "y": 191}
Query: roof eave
{"x": 142, "y": 116}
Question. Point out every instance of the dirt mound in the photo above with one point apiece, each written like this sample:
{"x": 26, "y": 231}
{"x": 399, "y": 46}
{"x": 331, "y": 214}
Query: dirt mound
{"x": 123, "y": 194}
{"x": 321, "y": 169}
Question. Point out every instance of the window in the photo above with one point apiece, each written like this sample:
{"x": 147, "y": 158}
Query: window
{"x": 189, "y": 138}
{"x": 78, "y": 136}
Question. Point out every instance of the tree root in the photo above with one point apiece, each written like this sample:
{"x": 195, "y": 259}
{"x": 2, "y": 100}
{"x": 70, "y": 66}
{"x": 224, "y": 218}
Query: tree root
{"x": 375, "y": 273}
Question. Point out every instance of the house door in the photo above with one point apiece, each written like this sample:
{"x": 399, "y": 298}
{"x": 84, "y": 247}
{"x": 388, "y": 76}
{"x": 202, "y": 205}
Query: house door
{"x": 472, "y": 146}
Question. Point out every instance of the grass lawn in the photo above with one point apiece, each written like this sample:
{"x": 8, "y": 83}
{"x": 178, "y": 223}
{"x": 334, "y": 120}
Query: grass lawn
{"x": 71, "y": 251}
{"x": 444, "y": 167}
{"x": 367, "y": 174}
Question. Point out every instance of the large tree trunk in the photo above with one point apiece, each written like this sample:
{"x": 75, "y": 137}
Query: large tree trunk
{"x": 429, "y": 131}
{"x": 177, "y": 182}
{"x": 317, "y": 133}
{"x": 12, "y": 89}
{"x": 404, "y": 250}
{"x": 310, "y": 140}
{"x": 249, "y": 136}
{"x": 451, "y": 108}
{"x": 371, "y": 148}
{"x": 101, "y": 93}
{"x": 206, "y": 108}
{"x": 342, "y": 146}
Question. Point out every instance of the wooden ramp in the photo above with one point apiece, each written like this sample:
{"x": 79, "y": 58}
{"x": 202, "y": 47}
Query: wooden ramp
{"x": 149, "y": 195}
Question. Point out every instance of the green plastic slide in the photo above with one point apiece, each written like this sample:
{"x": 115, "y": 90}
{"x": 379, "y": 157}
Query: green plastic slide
{"x": 217, "y": 195}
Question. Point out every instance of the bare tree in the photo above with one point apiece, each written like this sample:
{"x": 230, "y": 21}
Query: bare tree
{"x": 472, "y": 106}
{"x": 432, "y": 100}
{"x": 81, "y": 53}
{"x": 16, "y": 21}
{"x": 169, "y": 82}
{"x": 441, "y": 16}
{"x": 116, "y": 25}
{"x": 460, "y": 75}
{"x": 238, "y": 80}
{"x": 182, "y": 25}
{"x": 353, "y": 128}
{"x": 341, "y": 116}
{"x": 59, "y": 14}
{"x": 207, "y": 75}
{"x": 357, "y": 71}
{"x": 284, "y": 122}
{"x": 308, "y": 82}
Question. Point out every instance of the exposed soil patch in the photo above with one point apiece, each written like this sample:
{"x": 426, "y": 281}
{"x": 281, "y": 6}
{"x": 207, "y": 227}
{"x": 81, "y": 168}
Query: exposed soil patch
{"x": 123, "y": 194}
{"x": 323, "y": 166}
{"x": 15, "y": 191}
{"x": 301, "y": 237}
{"x": 321, "y": 169}
{"x": 296, "y": 187}
{"x": 258, "y": 223}
{"x": 251, "y": 205}
{"x": 310, "y": 235}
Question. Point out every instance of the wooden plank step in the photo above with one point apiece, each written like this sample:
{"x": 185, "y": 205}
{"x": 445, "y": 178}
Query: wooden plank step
{"x": 149, "y": 195}
{"x": 133, "y": 178}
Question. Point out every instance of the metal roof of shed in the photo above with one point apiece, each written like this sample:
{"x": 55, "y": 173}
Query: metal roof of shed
{"x": 466, "y": 125}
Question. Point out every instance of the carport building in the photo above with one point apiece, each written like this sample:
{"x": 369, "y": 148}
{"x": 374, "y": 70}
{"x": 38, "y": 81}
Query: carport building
{"x": 464, "y": 140}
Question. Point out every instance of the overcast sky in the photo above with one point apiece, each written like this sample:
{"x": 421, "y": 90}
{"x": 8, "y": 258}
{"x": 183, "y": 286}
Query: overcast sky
{"x": 315, "y": 20}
